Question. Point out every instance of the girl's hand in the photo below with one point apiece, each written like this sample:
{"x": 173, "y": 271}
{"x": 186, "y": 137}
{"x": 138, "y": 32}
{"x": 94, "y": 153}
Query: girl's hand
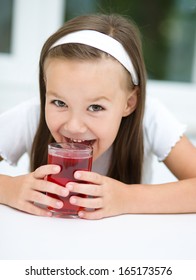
{"x": 22, "y": 192}
{"x": 106, "y": 195}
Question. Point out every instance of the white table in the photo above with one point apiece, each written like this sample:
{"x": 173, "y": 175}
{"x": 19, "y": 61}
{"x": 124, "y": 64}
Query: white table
{"x": 24, "y": 236}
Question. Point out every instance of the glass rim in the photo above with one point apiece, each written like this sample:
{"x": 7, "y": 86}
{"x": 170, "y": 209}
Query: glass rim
{"x": 70, "y": 147}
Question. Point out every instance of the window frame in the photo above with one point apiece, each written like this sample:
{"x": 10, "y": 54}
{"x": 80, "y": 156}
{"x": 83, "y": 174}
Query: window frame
{"x": 31, "y": 26}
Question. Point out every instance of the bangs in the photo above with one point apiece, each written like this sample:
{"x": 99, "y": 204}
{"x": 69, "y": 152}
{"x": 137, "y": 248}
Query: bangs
{"x": 76, "y": 51}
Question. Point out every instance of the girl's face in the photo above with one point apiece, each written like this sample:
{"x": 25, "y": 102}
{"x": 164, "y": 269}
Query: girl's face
{"x": 86, "y": 100}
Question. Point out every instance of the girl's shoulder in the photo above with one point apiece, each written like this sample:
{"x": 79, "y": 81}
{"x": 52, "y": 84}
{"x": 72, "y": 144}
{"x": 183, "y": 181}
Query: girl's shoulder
{"x": 19, "y": 124}
{"x": 153, "y": 107}
{"x": 24, "y": 108}
{"x": 156, "y": 113}
{"x": 162, "y": 130}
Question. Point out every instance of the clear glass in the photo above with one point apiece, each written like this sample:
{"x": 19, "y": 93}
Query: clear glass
{"x": 70, "y": 157}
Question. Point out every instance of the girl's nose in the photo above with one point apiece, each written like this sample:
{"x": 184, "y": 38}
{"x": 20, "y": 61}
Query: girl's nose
{"x": 75, "y": 125}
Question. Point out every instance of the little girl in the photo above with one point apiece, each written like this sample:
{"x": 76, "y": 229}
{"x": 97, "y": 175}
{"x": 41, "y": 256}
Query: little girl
{"x": 92, "y": 90}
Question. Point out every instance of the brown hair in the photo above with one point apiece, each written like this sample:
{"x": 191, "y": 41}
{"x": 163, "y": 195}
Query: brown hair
{"x": 127, "y": 156}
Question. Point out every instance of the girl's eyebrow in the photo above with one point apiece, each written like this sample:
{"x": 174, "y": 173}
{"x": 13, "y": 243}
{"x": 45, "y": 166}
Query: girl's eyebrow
{"x": 93, "y": 99}
{"x": 49, "y": 92}
{"x": 99, "y": 98}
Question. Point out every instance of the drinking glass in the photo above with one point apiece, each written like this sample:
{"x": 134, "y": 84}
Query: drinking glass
{"x": 70, "y": 157}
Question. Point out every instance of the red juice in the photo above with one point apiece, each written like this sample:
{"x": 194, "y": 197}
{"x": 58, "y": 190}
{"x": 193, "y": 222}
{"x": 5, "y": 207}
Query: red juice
{"x": 68, "y": 167}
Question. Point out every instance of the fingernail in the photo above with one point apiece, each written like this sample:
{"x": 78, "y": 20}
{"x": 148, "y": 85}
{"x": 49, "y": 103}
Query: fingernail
{"x": 77, "y": 175}
{"x": 49, "y": 214}
{"x": 59, "y": 204}
{"x": 73, "y": 200}
{"x": 64, "y": 192}
{"x": 69, "y": 186}
{"x": 56, "y": 168}
{"x": 81, "y": 214}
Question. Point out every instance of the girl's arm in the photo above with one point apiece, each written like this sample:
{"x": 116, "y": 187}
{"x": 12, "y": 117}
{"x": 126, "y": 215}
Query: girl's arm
{"x": 112, "y": 197}
{"x": 22, "y": 192}
{"x": 181, "y": 161}
{"x": 174, "y": 197}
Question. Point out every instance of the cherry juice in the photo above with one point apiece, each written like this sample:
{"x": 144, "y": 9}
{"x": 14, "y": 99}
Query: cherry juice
{"x": 68, "y": 167}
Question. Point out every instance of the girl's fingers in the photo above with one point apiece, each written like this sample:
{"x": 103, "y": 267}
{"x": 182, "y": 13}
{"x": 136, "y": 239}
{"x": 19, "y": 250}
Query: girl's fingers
{"x": 45, "y": 170}
{"x": 46, "y": 186}
{"x": 94, "y": 189}
{"x": 37, "y": 193}
{"x": 89, "y": 176}
{"x": 87, "y": 202}
{"x": 87, "y": 189}
{"x": 31, "y": 208}
{"x": 91, "y": 215}
{"x": 43, "y": 199}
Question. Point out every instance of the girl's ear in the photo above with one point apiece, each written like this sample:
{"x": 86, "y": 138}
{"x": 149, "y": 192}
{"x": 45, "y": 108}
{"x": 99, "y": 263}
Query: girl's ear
{"x": 131, "y": 102}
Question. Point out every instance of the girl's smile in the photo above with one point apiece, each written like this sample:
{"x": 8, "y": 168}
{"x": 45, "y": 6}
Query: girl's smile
{"x": 86, "y": 100}
{"x": 87, "y": 142}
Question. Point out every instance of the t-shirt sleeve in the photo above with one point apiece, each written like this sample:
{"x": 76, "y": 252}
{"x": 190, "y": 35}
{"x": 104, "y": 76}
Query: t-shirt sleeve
{"x": 18, "y": 127}
{"x": 162, "y": 129}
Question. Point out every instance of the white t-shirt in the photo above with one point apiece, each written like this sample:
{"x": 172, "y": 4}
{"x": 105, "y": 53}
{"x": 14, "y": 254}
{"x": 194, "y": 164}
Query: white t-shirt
{"x": 161, "y": 132}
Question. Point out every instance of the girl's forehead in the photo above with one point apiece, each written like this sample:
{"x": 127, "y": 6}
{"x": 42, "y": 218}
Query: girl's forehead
{"x": 102, "y": 61}
{"x": 106, "y": 65}
{"x": 91, "y": 75}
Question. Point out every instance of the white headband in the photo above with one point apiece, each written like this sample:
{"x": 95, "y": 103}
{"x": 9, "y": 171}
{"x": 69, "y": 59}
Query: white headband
{"x": 102, "y": 42}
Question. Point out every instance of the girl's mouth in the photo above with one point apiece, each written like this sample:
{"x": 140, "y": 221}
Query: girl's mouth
{"x": 86, "y": 142}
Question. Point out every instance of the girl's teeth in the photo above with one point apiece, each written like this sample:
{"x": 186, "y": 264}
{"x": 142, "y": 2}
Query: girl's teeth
{"x": 76, "y": 141}
{"x": 87, "y": 142}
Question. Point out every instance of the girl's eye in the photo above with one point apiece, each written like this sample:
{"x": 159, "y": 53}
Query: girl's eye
{"x": 59, "y": 103}
{"x": 95, "y": 108}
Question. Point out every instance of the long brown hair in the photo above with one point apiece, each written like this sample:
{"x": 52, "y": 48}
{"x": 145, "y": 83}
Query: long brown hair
{"x": 127, "y": 156}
